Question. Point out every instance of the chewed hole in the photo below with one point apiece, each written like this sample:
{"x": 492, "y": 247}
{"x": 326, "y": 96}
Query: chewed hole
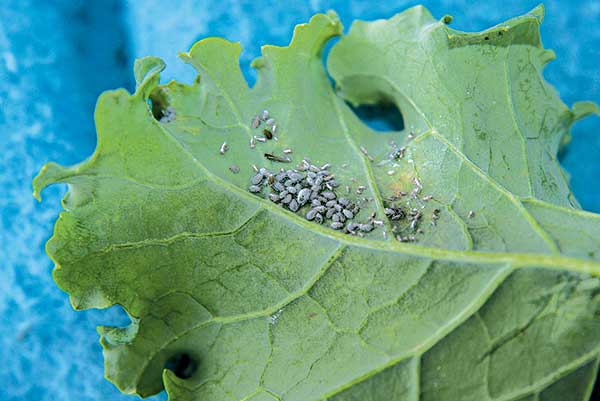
{"x": 183, "y": 365}
{"x": 160, "y": 107}
{"x": 382, "y": 117}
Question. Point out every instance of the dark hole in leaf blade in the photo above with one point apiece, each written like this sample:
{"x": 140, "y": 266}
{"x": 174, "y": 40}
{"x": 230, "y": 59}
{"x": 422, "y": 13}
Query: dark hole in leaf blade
{"x": 382, "y": 117}
{"x": 182, "y": 365}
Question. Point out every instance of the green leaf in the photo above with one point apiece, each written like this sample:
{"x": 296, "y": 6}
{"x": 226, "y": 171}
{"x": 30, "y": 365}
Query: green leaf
{"x": 499, "y": 300}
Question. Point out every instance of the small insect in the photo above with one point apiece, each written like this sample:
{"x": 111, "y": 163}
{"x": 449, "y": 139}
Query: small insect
{"x": 274, "y": 130}
{"x": 274, "y": 158}
{"x": 293, "y": 205}
{"x": 224, "y": 148}
{"x": 252, "y": 143}
{"x": 287, "y": 151}
{"x": 234, "y": 169}
{"x": 310, "y": 215}
{"x": 325, "y": 166}
{"x": 329, "y": 195}
{"x": 255, "y": 122}
{"x": 360, "y": 189}
{"x": 255, "y": 168}
{"x": 364, "y": 150}
{"x": 264, "y": 115}
{"x": 257, "y": 179}
{"x": 471, "y": 214}
{"x": 259, "y": 139}
{"x": 398, "y": 153}
{"x": 268, "y": 134}
{"x": 411, "y": 135}
{"x": 304, "y": 195}
{"x": 336, "y": 225}
{"x": 391, "y": 172}
{"x": 417, "y": 182}
{"x": 366, "y": 228}
{"x": 270, "y": 122}
{"x": 428, "y": 198}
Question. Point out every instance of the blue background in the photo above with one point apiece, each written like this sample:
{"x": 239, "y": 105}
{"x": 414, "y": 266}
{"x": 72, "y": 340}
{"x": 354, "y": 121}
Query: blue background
{"x": 57, "y": 56}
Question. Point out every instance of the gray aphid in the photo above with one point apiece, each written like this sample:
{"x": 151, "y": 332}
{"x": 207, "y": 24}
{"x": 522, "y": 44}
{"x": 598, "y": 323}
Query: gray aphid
{"x": 343, "y": 201}
{"x": 336, "y": 225}
{"x": 310, "y": 215}
{"x": 293, "y": 205}
{"x": 254, "y": 188}
{"x": 257, "y": 179}
{"x": 295, "y": 177}
{"x": 287, "y": 199}
{"x": 291, "y": 190}
{"x": 255, "y": 122}
{"x": 319, "y": 218}
{"x": 315, "y": 202}
{"x": 283, "y": 194}
{"x": 329, "y": 195}
{"x": 303, "y": 196}
{"x": 348, "y": 213}
{"x": 274, "y": 197}
{"x": 365, "y": 228}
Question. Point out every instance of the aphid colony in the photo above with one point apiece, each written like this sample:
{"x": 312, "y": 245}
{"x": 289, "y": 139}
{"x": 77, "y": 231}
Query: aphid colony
{"x": 269, "y": 131}
{"x": 314, "y": 187}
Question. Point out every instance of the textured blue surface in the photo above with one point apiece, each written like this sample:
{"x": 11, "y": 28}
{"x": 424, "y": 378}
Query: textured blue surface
{"x": 57, "y": 56}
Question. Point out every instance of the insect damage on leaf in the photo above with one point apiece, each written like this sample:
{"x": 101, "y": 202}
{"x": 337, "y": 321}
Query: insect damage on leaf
{"x": 476, "y": 276}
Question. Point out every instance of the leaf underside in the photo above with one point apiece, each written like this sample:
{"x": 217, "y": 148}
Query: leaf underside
{"x": 499, "y": 300}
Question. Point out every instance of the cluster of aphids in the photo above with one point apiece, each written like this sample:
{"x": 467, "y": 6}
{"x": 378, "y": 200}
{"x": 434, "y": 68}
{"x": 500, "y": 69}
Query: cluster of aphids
{"x": 269, "y": 130}
{"x": 314, "y": 188}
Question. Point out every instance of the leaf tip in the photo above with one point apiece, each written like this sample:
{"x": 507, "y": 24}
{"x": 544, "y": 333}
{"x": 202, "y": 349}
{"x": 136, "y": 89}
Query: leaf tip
{"x": 49, "y": 174}
{"x": 146, "y": 71}
{"x": 538, "y": 12}
{"x": 583, "y": 109}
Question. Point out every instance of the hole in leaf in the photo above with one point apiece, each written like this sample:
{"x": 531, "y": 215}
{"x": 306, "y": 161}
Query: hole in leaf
{"x": 183, "y": 365}
{"x": 382, "y": 117}
{"x": 160, "y": 107}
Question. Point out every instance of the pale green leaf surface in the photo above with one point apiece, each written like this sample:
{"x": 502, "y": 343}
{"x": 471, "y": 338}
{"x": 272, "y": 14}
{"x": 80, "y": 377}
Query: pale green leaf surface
{"x": 500, "y": 306}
